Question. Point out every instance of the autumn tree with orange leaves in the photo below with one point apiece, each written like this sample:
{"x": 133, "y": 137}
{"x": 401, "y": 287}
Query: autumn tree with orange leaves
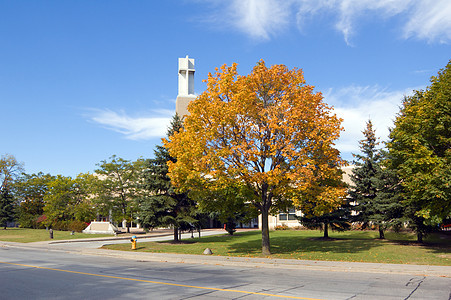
{"x": 268, "y": 133}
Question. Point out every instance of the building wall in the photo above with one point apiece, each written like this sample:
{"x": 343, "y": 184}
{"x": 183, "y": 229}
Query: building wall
{"x": 289, "y": 219}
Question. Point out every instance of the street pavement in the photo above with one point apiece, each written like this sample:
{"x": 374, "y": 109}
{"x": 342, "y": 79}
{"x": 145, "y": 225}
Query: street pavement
{"x": 92, "y": 247}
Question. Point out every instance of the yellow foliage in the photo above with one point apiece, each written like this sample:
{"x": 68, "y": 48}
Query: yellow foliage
{"x": 268, "y": 130}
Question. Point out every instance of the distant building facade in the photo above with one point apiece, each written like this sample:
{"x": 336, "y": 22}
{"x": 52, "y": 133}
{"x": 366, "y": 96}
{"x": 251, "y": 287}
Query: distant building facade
{"x": 290, "y": 218}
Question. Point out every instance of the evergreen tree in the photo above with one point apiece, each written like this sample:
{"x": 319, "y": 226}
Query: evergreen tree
{"x": 337, "y": 220}
{"x": 162, "y": 205}
{"x": 366, "y": 178}
{"x": 388, "y": 209}
{"x": 7, "y": 209}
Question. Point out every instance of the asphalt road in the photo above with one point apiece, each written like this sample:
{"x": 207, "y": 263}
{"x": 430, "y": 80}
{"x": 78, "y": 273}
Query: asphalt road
{"x": 50, "y": 274}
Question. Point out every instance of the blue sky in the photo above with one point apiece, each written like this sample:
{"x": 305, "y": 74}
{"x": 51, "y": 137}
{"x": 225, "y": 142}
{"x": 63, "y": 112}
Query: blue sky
{"x": 83, "y": 80}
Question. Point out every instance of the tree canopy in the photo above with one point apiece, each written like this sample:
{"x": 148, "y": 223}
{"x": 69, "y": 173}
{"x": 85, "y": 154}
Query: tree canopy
{"x": 29, "y": 191}
{"x": 10, "y": 169}
{"x": 116, "y": 188}
{"x": 68, "y": 199}
{"x": 268, "y": 132}
{"x": 420, "y": 147}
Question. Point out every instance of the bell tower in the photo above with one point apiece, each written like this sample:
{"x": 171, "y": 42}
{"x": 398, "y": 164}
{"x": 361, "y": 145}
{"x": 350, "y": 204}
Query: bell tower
{"x": 186, "y": 86}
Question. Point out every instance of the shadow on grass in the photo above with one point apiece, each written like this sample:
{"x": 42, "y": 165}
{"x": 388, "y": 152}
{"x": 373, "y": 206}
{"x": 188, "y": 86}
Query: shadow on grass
{"x": 210, "y": 239}
{"x": 341, "y": 243}
{"x": 288, "y": 245}
{"x": 437, "y": 242}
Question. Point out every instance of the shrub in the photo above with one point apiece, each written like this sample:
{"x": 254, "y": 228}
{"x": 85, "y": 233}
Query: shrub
{"x": 77, "y": 225}
{"x": 60, "y": 225}
{"x": 282, "y": 227}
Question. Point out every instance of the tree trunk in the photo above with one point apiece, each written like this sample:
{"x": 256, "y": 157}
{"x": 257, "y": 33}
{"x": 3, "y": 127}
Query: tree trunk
{"x": 326, "y": 230}
{"x": 176, "y": 234}
{"x": 266, "y": 250}
{"x": 381, "y": 233}
{"x": 419, "y": 237}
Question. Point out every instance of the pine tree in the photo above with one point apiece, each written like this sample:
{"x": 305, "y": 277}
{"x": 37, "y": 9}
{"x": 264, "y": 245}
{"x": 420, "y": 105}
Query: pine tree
{"x": 337, "y": 220}
{"x": 7, "y": 209}
{"x": 388, "y": 209}
{"x": 366, "y": 176}
{"x": 163, "y": 206}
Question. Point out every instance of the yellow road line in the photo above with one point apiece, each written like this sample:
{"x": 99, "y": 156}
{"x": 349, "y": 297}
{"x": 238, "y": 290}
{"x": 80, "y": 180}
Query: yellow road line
{"x": 159, "y": 282}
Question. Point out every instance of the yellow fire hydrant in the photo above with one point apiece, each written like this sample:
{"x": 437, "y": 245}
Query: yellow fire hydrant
{"x": 133, "y": 240}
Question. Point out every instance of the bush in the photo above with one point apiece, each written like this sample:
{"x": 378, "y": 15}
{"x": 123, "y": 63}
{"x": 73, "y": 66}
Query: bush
{"x": 299, "y": 228}
{"x": 31, "y": 221}
{"x": 74, "y": 225}
{"x": 77, "y": 226}
{"x": 60, "y": 225}
{"x": 281, "y": 227}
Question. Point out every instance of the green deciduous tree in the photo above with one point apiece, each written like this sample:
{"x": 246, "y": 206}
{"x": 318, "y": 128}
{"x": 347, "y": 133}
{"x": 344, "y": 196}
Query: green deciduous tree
{"x": 267, "y": 132}
{"x": 29, "y": 192}
{"x": 162, "y": 205}
{"x": 420, "y": 149}
{"x": 117, "y": 188}
{"x": 68, "y": 200}
{"x": 10, "y": 169}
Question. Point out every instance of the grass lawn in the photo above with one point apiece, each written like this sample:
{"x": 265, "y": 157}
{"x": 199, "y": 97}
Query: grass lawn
{"x": 25, "y": 235}
{"x": 357, "y": 246}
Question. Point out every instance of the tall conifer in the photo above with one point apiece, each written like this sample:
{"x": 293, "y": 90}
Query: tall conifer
{"x": 162, "y": 205}
{"x": 366, "y": 176}
{"x": 7, "y": 209}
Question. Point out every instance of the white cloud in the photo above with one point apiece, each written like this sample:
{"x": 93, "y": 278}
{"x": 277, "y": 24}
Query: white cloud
{"x": 262, "y": 19}
{"x": 350, "y": 11}
{"x": 430, "y": 20}
{"x": 133, "y": 128}
{"x": 258, "y": 18}
{"x": 356, "y": 105}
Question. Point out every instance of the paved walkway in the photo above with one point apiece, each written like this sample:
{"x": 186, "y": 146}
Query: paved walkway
{"x": 91, "y": 247}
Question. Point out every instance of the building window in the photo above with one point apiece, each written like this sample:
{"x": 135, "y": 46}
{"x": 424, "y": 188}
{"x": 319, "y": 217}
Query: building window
{"x": 290, "y": 216}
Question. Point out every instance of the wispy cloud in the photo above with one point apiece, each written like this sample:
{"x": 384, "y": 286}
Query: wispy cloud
{"x": 260, "y": 19}
{"x": 350, "y": 12}
{"x": 356, "y": 105}
{"x": 430, "y": 20}
{"x": 263, "y": 19}
{"x": 133, "y": 128}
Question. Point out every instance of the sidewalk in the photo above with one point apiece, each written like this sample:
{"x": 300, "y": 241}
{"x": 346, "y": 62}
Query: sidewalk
{"x": 91, "y": 247}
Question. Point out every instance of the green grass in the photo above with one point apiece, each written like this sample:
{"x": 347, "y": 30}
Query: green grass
{"x": 25, "y": 235}
{"x": 357, "y": 246}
